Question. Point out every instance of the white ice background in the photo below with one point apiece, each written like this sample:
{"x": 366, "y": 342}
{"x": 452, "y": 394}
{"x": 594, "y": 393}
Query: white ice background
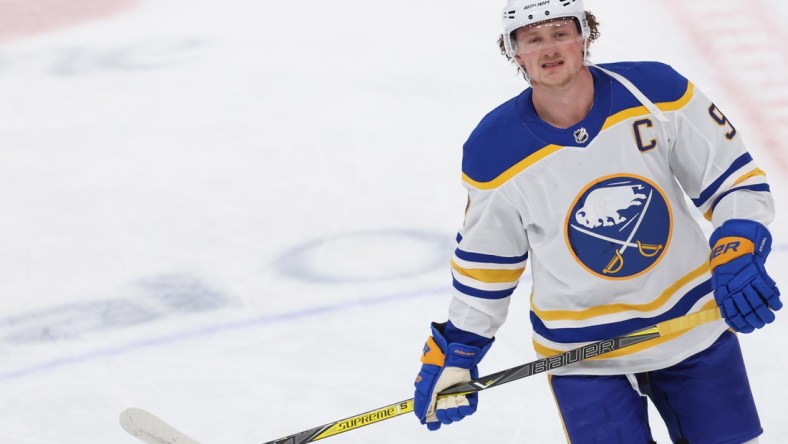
{"x": 239, "y": 214}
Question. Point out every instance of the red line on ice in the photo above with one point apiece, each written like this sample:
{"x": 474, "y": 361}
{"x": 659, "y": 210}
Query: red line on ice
{"x": 27, "y": 18}
{"x": 729, "y": 52}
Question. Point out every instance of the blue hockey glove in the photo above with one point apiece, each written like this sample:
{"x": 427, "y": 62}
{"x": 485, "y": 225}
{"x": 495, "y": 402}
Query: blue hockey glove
{"x": 744, "y": 292}
{"x": 444, "y": 365}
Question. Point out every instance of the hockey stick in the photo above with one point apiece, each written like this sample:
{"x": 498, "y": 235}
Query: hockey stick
{"x": 148, "y": 428}
{"x": 152, "y": 430}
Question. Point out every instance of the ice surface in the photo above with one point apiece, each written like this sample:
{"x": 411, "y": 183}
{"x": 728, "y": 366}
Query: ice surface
{"x": 238, "y": 215}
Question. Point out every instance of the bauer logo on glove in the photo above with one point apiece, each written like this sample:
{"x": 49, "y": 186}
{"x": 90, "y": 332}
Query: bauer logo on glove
{"x": 745, "y": 293}
{"x": 445, "y": 364}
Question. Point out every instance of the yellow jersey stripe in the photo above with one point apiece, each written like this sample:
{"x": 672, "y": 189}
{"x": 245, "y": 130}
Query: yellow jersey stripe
{"x": 754, "y": 173}
{"x": 489, "y": 276}
{"x": 545, "y": 351}
{"x": 642, "y": 111}
{"x": 571, "y": 315}
{"x": 550, "y": 149}
{"x": 514, "y": 170}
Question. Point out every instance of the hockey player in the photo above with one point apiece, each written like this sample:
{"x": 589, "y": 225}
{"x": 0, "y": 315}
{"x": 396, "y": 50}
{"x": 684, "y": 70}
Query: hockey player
{"x": 584, "y": 175}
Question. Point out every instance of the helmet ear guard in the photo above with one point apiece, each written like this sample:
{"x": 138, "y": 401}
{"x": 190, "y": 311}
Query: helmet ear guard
{"x": 519, "y": 13}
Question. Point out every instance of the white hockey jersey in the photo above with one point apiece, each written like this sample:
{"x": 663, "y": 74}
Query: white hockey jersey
{"x": 599, "y": 211}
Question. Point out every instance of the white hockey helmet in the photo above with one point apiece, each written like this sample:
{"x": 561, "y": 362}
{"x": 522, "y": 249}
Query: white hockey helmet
{"x": 519, "y": 13}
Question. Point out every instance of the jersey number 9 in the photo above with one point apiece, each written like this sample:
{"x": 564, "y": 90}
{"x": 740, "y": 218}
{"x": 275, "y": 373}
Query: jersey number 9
{"x": 721, "y": 120}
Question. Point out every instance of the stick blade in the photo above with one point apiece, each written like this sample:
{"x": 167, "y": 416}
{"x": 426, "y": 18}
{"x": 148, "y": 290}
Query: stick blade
{"x": 149, "y": 429}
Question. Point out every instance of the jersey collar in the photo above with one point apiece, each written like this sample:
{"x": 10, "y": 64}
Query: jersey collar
{"x": 578, "y": 135}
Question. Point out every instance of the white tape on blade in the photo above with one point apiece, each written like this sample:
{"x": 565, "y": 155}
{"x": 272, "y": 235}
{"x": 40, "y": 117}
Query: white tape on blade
{"x": 149, "y": 429}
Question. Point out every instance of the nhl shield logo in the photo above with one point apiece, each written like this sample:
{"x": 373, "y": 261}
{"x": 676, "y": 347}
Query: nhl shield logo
{"x": 581, "y": 135}
{"x": 619, "y": 226}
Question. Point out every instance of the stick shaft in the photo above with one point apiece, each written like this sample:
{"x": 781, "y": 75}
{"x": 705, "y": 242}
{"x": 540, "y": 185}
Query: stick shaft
{"x": 152, "y": 430}
{"x": 348, "y": 424}
{"x": 665, "y": 328}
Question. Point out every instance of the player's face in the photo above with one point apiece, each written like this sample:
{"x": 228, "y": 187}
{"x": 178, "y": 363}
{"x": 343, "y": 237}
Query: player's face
{"x": 551, "y": 52}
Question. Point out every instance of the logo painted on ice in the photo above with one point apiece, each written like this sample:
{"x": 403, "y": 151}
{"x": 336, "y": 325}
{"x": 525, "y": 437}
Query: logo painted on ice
{"x": 619, "y": 226}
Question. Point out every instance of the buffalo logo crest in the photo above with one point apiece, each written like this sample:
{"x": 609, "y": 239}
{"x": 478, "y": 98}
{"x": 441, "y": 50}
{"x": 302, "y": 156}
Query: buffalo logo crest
{"x": 619, "y": 227}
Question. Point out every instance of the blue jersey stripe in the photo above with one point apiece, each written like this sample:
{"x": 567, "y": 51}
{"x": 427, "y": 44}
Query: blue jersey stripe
{"x": 452, "y": 333}
{"x": 489, "y": 258}
{"x": 475, "y": 292}
{"x": 756, "y": 187}
{"x": 608, "y": 331}
{"x": 744, "y": 159}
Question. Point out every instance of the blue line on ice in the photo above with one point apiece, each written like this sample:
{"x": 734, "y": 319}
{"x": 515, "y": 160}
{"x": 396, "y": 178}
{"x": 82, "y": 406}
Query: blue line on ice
{"x": 261, "y": 321}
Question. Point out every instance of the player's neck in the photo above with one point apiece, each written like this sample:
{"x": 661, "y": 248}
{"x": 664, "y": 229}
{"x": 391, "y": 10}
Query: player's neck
{"x": 562, "y": 106}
